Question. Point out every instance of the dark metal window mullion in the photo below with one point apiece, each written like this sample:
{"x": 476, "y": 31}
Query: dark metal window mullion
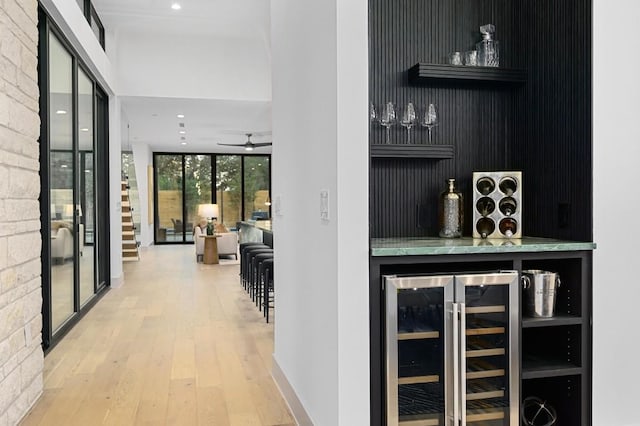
{"x": 76, "y": 184}
{"x": 184, "y": 199}
{"x": 242, "y": 157}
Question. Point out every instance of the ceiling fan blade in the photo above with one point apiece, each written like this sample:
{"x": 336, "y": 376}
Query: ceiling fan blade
{"x": 231, "y": 144}
{"x": 263, "y": 144}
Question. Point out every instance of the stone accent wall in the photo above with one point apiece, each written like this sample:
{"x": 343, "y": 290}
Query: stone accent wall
{"x": 21, "y": 357}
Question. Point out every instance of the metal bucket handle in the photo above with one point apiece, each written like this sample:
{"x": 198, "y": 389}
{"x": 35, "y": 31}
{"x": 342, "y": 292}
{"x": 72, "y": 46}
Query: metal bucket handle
{"x": 526, "y": 281}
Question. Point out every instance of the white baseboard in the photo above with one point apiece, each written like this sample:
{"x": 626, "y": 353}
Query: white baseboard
{"x": 295, "y": 406}
{"x": 116, "y": 282}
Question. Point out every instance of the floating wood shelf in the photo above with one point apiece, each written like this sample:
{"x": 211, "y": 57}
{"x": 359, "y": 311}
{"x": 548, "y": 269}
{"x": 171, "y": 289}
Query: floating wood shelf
{"x": 536, "y": 368}
{"x": 557, "y": 320}
{"x": 426, "y": 74}
{"x": 436, "y": 152}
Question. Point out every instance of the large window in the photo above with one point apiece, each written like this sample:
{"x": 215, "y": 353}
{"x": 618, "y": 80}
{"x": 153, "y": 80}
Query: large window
{"x": 184, "y": 181}
{"x": 90, "y": 14}
{"x": 257, "y": 185}
{"x": 229, "y": 188}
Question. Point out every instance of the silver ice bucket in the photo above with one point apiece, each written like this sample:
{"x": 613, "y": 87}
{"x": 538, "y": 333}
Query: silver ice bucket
{"x": 540, "y": 292}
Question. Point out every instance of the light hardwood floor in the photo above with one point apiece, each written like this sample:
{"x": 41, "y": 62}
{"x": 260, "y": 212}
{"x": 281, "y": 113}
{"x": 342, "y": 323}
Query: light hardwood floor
{"x": 179, "y": 343}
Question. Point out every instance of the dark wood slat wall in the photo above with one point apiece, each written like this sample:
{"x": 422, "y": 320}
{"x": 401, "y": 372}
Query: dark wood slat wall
{"x": 542, "y": 128}
{"x": 553, "y": 118}
{"x": 477, "y": 121}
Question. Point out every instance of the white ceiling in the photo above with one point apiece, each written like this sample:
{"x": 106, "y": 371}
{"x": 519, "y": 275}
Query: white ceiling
{"x": 154, "y": 121}
{"x": 224, "y": 18}
{"x": 220, "y": 117}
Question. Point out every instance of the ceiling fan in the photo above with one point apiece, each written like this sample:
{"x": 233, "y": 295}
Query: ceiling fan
{"x": 248, "y": 145}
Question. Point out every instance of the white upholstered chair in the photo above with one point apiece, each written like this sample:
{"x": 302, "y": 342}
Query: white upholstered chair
{"x": 227, "y": 244}
{"x": 199, "y": 242}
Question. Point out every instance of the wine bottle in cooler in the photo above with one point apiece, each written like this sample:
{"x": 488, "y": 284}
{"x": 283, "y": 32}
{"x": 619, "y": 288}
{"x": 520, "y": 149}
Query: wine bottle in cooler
{"x": 508, "y": 227}
{"x": 485, "y": 227}
{"x": 485, "y": 206}
{"x": 485, "y": 185}
{"x": 507, "y": 206}
{"x": 451, "y": 211}
{"x": 508, "y": 186}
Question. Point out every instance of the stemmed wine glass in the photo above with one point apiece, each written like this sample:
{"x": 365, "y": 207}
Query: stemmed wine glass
{"x": 408, "y": 119}
{"x": 373, "y": 114}
{"x": 388, "y": 118}
{"x": 430, "y": 119}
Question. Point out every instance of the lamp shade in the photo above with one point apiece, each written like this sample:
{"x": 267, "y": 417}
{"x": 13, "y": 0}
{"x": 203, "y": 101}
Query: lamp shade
{"x": 67, "y": 211}
{"x": 208, "y": 210}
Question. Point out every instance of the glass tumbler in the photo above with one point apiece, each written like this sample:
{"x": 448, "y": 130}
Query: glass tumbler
{"x": 471, "y": 58}
{"x": 455, "y": 58}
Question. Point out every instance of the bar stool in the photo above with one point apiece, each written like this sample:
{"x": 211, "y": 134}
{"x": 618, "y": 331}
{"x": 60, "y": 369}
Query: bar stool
{"x": 268, "y": 286}
{"x": 256, "y": 277}
{"x": 246, "y": 259}
{"x": 243, "y": 267}
{"x": 251, "y": 268}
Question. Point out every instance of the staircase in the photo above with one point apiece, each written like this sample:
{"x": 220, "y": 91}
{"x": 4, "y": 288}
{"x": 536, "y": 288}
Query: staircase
{"x": 129, "y": 244}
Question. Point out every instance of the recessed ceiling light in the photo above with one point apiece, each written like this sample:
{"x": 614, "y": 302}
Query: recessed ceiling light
{"x": 176, "y": 6}
{"x": 87, "y": 171}
{"x": 84, "y": 129}
{"x": 61, "y": 111}
{"x": 180, "y": 115}
{"x": 183, "y": 143}
{"x": 64, "y": 166}
{"x": 259, "y": 164}
{"x": 182, "y": 132}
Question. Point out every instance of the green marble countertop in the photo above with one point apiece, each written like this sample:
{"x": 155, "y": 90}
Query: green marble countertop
{"x": 437, "y": 246}
{"x": 263, "y": 225}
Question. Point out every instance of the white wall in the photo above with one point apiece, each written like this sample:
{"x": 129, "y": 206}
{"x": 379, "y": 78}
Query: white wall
{"x": 115, "y": 190}
{"x": 320, "y": 123}
{"x": 616, "y": 142}
{"x": 192, "y": 67}
{"x": 68, "y": 16}
{"x": 142, "y": 158}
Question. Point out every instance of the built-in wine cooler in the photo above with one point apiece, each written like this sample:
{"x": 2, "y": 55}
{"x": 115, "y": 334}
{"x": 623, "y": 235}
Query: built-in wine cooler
{"x": 452, "y": 349}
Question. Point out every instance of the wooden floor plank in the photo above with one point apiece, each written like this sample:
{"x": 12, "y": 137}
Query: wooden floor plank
{"x": 179, "y": 343}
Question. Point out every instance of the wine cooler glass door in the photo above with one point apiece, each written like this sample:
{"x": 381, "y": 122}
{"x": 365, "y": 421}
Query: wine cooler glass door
{"x": 419, "y": 338}
{"x": 488, "y": 356}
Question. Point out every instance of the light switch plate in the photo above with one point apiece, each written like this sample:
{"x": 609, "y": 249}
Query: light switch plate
{"x": 324, "y": 205}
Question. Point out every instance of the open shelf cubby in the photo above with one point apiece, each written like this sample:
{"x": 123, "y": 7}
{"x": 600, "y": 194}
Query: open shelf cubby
{"x": 561, "y": 393}
{"x": 568, "y": 295}
{"x": 551, "y": 352}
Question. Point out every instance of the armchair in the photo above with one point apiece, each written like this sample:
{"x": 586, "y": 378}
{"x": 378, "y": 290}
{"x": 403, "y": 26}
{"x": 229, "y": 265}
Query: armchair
{"x": 62, "y": 241}
{"x": 198, "y": 242}
{"x": 227, "y": 244}
{"x": 61, "y": 244}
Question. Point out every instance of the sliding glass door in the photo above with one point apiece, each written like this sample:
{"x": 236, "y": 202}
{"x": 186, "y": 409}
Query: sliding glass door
{"x": 73, "y": 143}
{"x": 168, "y": 197}
{"x": 85, "y": 190}
{"x": 62, "y": 170}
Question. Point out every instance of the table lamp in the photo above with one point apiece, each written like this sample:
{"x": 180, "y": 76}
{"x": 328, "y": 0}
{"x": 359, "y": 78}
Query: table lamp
{"x": 209, "y": 211}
